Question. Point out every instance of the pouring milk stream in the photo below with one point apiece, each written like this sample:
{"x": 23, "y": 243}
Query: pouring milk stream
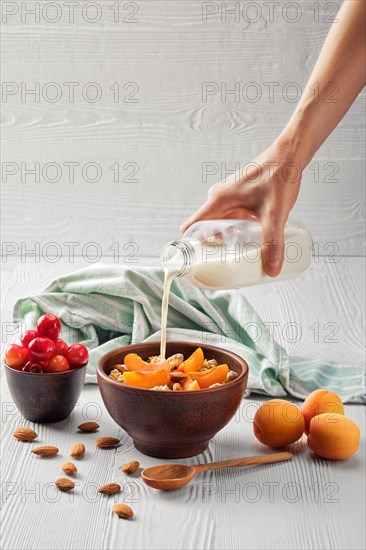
{"x": 226, "y": 254}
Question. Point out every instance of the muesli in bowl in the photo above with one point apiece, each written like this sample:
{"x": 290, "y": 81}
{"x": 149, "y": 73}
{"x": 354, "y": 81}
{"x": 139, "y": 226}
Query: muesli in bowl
{"x": 176, "y": 373}
{"x": 170, "y": 424}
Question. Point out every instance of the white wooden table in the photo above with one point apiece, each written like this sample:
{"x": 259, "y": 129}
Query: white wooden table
{"x": 307, "y": 503}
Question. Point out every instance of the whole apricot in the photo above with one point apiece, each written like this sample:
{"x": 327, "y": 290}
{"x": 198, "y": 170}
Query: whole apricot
{"x": 333, "y": 436}
{"x": 319, "y": 402}
{"x": 278, "y": 423}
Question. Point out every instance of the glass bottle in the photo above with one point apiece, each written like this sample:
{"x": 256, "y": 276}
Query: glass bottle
{"x": 225, "y": 254}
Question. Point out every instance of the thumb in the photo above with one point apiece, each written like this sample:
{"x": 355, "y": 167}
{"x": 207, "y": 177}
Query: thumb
{"x": 272, "y": 246}
{"x": 208, "y": 211}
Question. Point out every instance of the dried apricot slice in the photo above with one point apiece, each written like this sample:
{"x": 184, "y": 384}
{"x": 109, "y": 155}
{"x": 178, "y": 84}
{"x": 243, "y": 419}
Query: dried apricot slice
{"x": 194, "y": 362}
{"x": 189, "y": 385}
{"x": 133, "y": 362}
{"x": 216, "y": 375}
{"x": 147, "y": 380}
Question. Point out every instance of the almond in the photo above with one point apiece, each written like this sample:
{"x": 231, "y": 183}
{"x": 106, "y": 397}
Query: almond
{"x": 106, "y": 442}
{"x": 64, "y": 484}
{"x": 130, "y": 467}
{"x": 77, "y": 451}
{"x": 177, "y": 376}
{"x": 46, "y": 450}
{"x": 89, "y": 427}
{"x": 123, "y": 511}
{"x": 69, "y": 468}
{"x": 120, "y": 368}
{"x": 25, "y": 434}
{"x": 110, "y": 489}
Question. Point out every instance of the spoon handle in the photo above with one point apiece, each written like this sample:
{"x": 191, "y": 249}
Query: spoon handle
{"x": 249, "y": 461}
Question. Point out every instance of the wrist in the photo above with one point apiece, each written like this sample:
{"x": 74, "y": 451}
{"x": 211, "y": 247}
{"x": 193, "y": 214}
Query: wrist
{"x": 298, "y": 141}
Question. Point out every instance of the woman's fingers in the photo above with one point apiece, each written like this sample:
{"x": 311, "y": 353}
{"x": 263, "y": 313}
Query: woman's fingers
{"x": 273, "y": 235}
{"x": 209, "y": 211}
{"x": 272, "y": 246}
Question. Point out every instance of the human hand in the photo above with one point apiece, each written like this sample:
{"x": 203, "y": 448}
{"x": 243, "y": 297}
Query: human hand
{"x": 265, "y": 189}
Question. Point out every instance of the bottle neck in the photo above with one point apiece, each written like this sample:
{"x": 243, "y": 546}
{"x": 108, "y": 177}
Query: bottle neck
{"x": 177, "y": 256}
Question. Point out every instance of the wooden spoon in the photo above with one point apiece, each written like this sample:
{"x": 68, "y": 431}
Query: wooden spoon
{"x": 168, "y": 477}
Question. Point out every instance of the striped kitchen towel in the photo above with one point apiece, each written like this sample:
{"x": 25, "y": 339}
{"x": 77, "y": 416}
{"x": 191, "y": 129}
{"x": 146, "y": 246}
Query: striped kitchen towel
{"x": 106, "y": 307}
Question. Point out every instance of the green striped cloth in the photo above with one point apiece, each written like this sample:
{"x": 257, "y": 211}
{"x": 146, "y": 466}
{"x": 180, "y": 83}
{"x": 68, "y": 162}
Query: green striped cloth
{"x": 106, "y": 307}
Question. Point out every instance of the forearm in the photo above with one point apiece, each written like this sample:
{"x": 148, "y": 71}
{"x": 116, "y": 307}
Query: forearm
{"x": 335, "y": 82}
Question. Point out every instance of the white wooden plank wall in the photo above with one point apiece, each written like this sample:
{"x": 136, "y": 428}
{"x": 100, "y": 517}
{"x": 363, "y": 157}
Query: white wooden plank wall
{"x": 160, "y": 130}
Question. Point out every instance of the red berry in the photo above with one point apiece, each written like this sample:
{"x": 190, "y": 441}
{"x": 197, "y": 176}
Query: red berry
{"x": 41, "y": 349}
{"x": 61, "y": 346}
{"x": 33, "y": 366}
{"x": 28, "y": 336}
{"x": 57, "y": 363}
{"x": 77, "y": 355}
{"x": 49, "y": 326}
{"x": 16, "y": 356}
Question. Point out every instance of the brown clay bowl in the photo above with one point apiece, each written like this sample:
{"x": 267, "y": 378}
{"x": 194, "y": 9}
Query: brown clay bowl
{"x": 46, "y": 397}
{"x": 171, "y": 424}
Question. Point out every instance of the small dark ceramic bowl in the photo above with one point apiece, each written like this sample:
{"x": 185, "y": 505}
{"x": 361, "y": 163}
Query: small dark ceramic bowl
{"x": 47, "y": 397}
{"x": 169, "y": 424}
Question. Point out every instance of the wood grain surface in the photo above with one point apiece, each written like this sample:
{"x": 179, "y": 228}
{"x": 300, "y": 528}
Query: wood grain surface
{"x": 304, "y": 503}
{"x": 170, "y": 146}
{"x": 164, "y": 133}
